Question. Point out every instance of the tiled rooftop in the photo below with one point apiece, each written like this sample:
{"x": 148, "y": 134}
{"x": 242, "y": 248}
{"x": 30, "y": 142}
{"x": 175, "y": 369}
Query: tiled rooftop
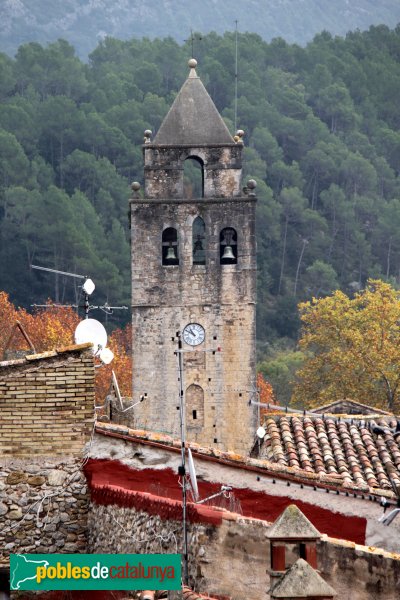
{"x": 275, "y": 461}
{"x": 333, "y": 447}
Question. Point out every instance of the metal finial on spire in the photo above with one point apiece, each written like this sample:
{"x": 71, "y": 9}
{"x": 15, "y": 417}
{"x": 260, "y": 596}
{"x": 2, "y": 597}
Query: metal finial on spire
{"x": 192, "y": 39}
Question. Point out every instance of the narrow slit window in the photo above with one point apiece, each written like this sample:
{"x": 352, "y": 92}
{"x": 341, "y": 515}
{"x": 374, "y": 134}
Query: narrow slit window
{"x": 228, "y": 247}
{"x": 170, "y": 249}
{"x": 199, "y": 241}
{"x": 194, "y": 407}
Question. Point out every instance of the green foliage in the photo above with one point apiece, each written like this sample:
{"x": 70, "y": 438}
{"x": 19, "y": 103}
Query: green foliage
{"x": 280, "y": 370}
{"x": 321, "y": 140}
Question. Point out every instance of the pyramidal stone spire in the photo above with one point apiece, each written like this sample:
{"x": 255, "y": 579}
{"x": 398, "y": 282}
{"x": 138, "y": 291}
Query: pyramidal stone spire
{"x": 302, "y": 581}
{"x": 292, "y": 524}
{"x": 193, "y": 117}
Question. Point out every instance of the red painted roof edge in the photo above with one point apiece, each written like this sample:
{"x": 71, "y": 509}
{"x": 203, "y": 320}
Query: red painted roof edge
{"x": 164, "y": 507}
{"x": 263, "y": 467}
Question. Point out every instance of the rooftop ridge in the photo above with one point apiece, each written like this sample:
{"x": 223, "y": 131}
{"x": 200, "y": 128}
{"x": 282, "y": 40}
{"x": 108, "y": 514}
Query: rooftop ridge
{"x": 29, "y": 358}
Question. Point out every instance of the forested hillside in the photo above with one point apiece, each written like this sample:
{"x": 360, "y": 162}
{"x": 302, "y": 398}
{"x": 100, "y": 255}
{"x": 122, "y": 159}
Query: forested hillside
{"x": 322, "y": 139}
{"x": 85, "y": 23}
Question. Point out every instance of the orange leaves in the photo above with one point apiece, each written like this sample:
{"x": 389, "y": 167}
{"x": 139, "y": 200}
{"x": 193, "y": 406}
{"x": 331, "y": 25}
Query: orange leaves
{"x": 47, "y": 329}
{"x": 53, "y": 328}
{"x": 266, "y": 394}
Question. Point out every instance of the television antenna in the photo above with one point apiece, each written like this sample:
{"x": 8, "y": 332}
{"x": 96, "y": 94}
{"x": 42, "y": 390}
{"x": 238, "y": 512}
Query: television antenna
{"x": 88, "y": 288}
{"x": 88, "y": 285}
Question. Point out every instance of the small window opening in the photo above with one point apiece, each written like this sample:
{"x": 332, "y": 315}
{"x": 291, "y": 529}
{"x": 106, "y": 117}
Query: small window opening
{"x": 193, "y": 177}
{"x": 228, "y": 246}
{"x": 199, "y": 237}
{"x": 170, "y": 249}
{"x": 194, "y": 407}
{"x": 303, "y": 552}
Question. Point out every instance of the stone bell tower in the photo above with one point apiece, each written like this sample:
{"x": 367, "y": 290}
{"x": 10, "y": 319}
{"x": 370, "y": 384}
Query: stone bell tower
{"x": 194, "y": 272}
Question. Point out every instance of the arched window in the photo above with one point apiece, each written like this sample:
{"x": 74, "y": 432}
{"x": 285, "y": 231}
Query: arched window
{"x": 199, "y": 241}
{"x": 193, "y": 177}
{"x": 228, "y": 246}
{"x": 170, "y": 249}
{"x": 194, "y": 406}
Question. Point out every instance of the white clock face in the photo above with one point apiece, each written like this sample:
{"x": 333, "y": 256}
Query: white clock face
{"x": 194, "y": 334}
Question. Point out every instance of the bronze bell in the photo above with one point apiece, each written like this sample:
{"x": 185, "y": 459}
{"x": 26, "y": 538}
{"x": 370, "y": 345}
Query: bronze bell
{"x": 228, "y": 254}
{"x": 171, "y": 254}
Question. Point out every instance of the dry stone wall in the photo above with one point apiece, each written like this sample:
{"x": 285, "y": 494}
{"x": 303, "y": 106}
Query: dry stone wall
{"x": 43, "y": 506}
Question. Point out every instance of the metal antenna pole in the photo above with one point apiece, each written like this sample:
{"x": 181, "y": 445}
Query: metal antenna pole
{"x": 236, "y": 72}
{"x": 58, "y": 272}
{"x": 182, "y": 468}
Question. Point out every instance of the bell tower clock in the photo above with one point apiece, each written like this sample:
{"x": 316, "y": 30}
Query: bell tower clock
{"x": 194, "y": 272}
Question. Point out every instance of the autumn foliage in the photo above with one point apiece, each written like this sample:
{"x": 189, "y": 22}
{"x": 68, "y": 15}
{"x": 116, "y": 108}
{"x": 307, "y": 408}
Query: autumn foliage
{"x": 53, "y": 328}
{"x": 353, "y": 347}
{"x": 266, "y": 395}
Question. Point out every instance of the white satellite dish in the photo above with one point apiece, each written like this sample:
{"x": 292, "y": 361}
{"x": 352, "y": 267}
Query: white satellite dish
{"x": 261, "y": 433}
{"x": 193, "y": 478}
{"x": 106, "y": 356}
{"x": 88, "y": 287}
{"x": 91, "y": 331}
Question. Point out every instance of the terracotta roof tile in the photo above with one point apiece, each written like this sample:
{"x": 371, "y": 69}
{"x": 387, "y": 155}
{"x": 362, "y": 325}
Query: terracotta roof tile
{"x": 329, "y": 446}
{"x": 364, "y": 471}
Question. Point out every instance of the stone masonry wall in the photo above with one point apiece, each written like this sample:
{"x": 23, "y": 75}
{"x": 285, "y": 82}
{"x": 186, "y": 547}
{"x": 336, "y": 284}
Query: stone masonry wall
{"x": 226, "y": 559}
{"x": 219, "y": 297}
{"x": 43, "y": 506}
{"x": 234, "y": 557}
{"x": 46, "y": 403}
{"x": 356, "y": 574}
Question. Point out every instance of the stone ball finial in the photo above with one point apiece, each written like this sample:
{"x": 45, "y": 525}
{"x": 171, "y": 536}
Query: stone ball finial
{"x": 192, "y": 62}
{"x": 252, "y": 184}
{"x": 135, "y": 185}
{"x": 240, "y": 133}
{"x": 148, "y": 133}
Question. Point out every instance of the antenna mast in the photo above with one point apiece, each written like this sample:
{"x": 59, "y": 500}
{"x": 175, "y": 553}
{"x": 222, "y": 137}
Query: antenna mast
{"x": 236, "y": 71}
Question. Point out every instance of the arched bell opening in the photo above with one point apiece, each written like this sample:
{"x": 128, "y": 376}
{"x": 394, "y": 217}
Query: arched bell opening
{"x": 228, "y": 247}
{"x": 170, "y": 248}
{"x": 199, "y": 241}
{"x": 193, "y": 177}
